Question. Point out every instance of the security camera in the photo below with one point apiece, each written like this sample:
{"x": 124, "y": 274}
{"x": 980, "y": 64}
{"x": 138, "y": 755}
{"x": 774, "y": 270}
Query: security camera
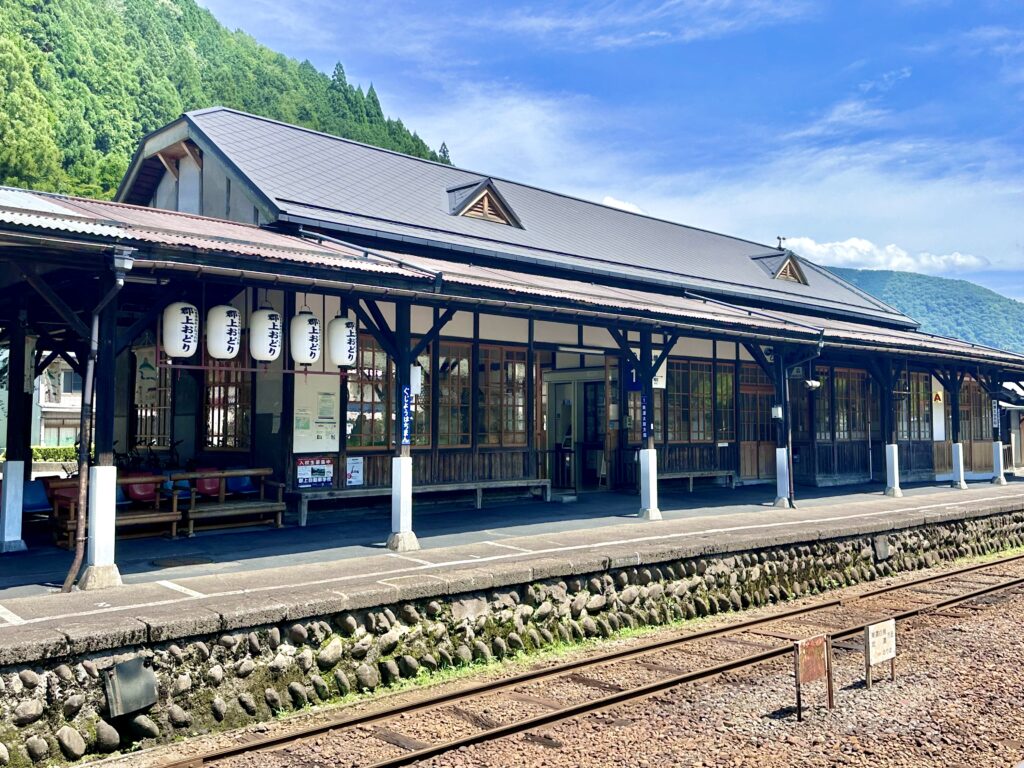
{"x": 812, "y": 384}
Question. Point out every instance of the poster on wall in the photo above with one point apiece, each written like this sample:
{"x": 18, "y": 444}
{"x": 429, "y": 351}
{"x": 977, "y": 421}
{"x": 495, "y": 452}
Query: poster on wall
{"x": 314, "y": 472}
{"x": 354, "y": 471}
{"x": 147, "y": 377}
{"x": 316, "y": 416}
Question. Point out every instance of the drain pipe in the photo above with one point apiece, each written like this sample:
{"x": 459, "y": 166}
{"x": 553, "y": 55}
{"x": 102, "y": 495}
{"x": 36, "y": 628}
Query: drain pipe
{"x": 122, "y": 263}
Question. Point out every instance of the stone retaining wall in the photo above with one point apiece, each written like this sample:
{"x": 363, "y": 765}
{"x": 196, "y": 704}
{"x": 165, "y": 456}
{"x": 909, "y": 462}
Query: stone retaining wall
{"x": 56, "y": 711}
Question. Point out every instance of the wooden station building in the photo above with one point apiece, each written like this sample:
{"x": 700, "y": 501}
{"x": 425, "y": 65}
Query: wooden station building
{"x": 508, "y": 337}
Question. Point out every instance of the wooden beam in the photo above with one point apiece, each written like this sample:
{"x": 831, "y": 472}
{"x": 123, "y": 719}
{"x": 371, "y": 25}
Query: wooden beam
{"x": 43, "y": 364}
{"x": 626, "y": 349}
{"x": 193, "y": 151}
{"x": 433, "y": 333}
{"x": 169, "y": 163}
{"x": 760, "y": 358}
{"x": 381, "y": 336}
{"x": 55, "y": 301}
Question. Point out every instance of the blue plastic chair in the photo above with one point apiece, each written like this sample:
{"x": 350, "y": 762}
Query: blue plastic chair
{"x": 241, "y": 486}
{"x": 34, "y": 499}
{"x": 170, "y": 488}
{"x": 121, "y": 498}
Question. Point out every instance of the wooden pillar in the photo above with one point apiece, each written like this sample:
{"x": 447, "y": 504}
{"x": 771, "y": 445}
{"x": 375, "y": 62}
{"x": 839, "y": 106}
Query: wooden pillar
{"x": 891, "y": 432}
{"x": 105, "y": 386}
{"x": 402, "y": 538}
{"x": 956, "y": 381}
{"x": 435, "y": 406}
{"x": 18, "y": 461}
{"x": 530, "y": 470}
{"x": 648, "y": 464}
{"x": 782, "y": 486}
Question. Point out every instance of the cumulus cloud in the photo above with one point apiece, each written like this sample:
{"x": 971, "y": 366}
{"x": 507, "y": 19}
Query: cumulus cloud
{"x": 861, "y": 253}
{"x": 612, "y": 202}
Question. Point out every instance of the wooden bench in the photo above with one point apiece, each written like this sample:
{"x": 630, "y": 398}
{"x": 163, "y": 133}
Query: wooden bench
{"x": 65, "y": 508}
{"x": 306, "y": 495}
{"x": 246, "y": 503}
{"x": 690, "y": 475}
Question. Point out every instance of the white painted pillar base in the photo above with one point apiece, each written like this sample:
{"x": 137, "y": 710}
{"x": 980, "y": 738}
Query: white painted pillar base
{"x": 998, "y": 478}
{"x": 1014, "y": 451}
{"x": 11, "y": 507}
{"x": 402, "y": 539}
{"x": 781, "y": 478}
{"x": 649, "y": 484}
{"x": 892, "y": 471}
{"x": 101, "y": 571}
{"x": 958, "y": 467}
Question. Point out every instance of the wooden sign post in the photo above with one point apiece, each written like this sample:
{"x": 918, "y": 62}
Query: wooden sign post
{"x": 812, "y": 660}
{"x": 879, "y": 646}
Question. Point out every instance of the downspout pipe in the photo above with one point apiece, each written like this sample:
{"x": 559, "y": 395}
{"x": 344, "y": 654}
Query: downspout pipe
{"x": 85, "y": 424}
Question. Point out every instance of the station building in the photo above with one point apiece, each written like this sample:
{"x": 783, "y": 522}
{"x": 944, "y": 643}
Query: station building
{"x": 367, "y": 324}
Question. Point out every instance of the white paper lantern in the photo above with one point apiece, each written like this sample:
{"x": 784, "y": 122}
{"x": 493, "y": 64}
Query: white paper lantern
{"x": 342, "y": 341}
{"x": 266, "y": 334}
{"x": 223, "y": 332}
{"x": 305, "y": 336}
{"x": 181, "y": 329}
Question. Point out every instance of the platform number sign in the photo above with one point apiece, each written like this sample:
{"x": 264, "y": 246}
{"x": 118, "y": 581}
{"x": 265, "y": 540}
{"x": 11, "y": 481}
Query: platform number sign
{"x": 406, "y": 414}
{"x": 644, "y": 427}
{"x": 879, "y": 647}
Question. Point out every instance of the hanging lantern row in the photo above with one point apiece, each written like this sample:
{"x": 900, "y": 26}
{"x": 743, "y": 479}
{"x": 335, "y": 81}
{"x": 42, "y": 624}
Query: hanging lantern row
{"x": 266, "y": 334}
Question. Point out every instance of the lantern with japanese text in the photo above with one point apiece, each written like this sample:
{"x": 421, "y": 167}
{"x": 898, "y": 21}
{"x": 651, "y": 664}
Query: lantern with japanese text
{"x": 342, "y": 341}
{"x": 266, "y": 335}
{"x": 305, "y": 337}
{"x": 223, "y": 332}
{"x": 180, "y": 329}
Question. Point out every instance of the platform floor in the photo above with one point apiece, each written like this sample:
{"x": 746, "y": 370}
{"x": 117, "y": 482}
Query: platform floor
{"x": 270, "y": 566}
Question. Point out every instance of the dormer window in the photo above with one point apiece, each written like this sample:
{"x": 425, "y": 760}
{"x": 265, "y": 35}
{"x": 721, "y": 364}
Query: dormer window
{"x": 790, "y": 270}
{"x": 782, "y": 266}
{"x": 481, "y": 200}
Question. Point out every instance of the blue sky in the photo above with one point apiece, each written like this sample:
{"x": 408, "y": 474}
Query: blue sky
{"x": 869, "y": 133}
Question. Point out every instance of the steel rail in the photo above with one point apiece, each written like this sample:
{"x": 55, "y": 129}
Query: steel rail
{"x": 496, "y": 686}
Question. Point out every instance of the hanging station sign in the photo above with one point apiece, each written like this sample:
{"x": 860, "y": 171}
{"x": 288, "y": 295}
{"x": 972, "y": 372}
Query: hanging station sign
{"x": 306, "y": 338}
{"x": 223, "y": 332}
{"x": 180, "y": 329}
{"x": 342, "y": 341}
{"x": 266, "y": 335}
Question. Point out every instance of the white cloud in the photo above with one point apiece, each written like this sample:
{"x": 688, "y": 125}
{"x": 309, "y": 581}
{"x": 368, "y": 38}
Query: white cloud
{"x": 612, "y": 202}
{"x": 604, "y": 24}
{"x": 847, "y": 115}
{"x": 860, "y": 253}
{"x": 886, "y": 81}
{"x": 949, "y": 205}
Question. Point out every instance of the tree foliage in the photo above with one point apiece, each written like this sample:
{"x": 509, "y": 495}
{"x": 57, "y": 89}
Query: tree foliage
{"x": 947, "y": 307}
{"x": 81, "y": 81}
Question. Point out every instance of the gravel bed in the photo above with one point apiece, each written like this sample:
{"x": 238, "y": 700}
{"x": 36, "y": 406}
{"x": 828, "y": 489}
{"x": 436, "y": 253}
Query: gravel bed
{"x": 341, "y": 751}
{"x": 958, "y": 700}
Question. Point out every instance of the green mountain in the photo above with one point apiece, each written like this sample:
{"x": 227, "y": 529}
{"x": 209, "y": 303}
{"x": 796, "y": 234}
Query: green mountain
{"x": 947, "y": 307}
{"x": 82, "y": 80}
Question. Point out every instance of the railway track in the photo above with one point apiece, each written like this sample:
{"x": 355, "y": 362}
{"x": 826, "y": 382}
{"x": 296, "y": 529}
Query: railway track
{"x": 402, "y": 735}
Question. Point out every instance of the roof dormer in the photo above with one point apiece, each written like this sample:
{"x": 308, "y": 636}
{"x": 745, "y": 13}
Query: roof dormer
{"x": 481, "y": 200}
{"x": 783, "y": 266}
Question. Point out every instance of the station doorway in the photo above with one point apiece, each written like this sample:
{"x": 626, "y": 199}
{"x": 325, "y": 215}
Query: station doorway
{"x": 583, "y": 417}
{"x": 757, "y": 430}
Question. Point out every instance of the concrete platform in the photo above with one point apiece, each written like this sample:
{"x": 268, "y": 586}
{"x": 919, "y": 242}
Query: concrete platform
{"x": 224, "y": 581}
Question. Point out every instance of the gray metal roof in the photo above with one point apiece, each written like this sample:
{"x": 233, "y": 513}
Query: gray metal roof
{"x": 351, "y": 187}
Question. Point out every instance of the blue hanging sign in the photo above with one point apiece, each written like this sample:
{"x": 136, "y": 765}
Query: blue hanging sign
{"x": 406, "y": 414}
{"x": 643, "y": 416}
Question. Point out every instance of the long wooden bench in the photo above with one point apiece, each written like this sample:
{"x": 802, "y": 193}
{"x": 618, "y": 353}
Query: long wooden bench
{"x": 691, "y": 475}
{"x": 306, "y": 495}
{"x": 225, "y": 504}
{"x": 65, "y": 508}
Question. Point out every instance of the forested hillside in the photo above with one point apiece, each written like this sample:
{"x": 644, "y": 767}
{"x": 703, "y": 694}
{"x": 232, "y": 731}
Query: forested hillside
{"x": 82, "y": 80}
{"x": 947, "y": 307}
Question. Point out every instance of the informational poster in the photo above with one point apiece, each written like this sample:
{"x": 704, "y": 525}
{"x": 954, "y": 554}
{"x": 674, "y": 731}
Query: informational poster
{"x": 354, "y": 471}
{"x": 316, "y": 420}
{"x": 314, "y": 472}
{"x": 147, "y": 377}
{"x": 880, "y": 641}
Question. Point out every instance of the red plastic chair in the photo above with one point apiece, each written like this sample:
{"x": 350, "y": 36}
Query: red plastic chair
{"x": 208, "y": 486}
{"x": 142, "y": 493}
